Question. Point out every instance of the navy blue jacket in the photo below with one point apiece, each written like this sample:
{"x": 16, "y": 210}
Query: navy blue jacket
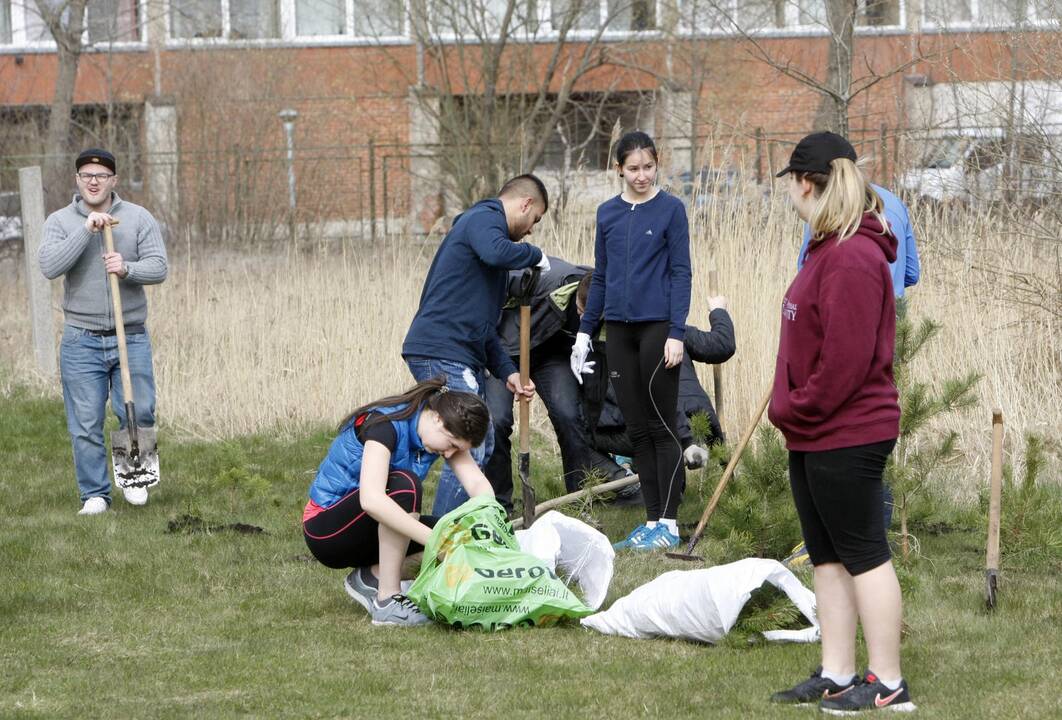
{"x": 642, "y": 266}
{"x": 465, "y": 290}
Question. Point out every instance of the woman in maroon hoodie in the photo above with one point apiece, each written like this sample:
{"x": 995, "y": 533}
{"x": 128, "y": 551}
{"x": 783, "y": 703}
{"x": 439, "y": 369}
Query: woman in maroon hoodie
{"x": 835, "y": 401}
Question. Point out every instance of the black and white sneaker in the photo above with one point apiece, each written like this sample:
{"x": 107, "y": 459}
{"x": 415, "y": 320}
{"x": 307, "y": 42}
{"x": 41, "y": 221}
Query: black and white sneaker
{"x": 869, "y": 693}
{"x": 814, "y": 689}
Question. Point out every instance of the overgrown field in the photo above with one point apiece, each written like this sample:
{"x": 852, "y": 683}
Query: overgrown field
{"x": 115, "y": 616}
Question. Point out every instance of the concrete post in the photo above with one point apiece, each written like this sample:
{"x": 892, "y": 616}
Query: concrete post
{"x": 161, "y": 159}
{"x": 39, "y": 288}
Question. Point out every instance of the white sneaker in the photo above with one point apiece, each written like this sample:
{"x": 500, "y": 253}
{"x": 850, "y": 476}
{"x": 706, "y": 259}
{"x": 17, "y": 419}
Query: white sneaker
{"x": 135, "y": 495}
{"x": 93, "y": 506}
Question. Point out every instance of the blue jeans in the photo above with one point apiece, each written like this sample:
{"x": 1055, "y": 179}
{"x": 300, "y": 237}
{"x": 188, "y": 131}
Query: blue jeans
{"x": 559, "y": 391}
{"x": 450, "y": 494}
{"x": 88, "y": 365}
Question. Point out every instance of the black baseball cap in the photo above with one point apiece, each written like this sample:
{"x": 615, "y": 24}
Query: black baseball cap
{"x": 97, "y": 156}
{"x": 815, "y": 152}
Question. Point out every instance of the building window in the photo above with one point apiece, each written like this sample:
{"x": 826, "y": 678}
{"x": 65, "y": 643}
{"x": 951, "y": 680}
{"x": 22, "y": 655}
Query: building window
{"x": 575, "y": 14}
{"x": 631, "y": 15}
{"x": 379, "y": 18}
{"x": 5, "y": 22}
{"x": 110, "y": 21}
{"x": 252, "y": 19}
{"x": 878, "y": 13}
{"x": 320, "y": 17}
{"x": 230, "y": 19}
{"x": 999, "y": 13}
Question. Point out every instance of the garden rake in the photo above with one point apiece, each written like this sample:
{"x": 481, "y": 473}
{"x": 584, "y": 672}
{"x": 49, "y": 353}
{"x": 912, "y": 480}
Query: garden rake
{"x": 727, "y": 474}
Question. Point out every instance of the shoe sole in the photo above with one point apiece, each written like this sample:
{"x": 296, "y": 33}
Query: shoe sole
{"x": 357, "y": 597}
{"x": 385, "y": 623}
{"x": 898, "y": 707}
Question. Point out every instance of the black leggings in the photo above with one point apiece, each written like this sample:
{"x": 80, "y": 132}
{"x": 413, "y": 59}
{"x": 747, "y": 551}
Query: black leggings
{"x": 647, "y": 393}
{"x": 838, "y": 496}
{"x": 345, "y": 536}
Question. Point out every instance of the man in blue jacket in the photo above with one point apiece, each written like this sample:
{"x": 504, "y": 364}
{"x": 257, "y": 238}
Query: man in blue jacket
{"x": 454, "y": 332}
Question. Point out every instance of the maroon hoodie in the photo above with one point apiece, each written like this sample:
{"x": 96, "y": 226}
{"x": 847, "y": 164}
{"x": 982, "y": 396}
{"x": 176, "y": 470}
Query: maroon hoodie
{"x": 833, "y": 384}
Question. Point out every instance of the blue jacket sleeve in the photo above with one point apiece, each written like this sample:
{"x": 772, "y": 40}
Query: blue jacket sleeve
{"x": 499, "y": 363}
{"x": 912, "y": 266}
{"x": 595, "y": 300}
{"x": 678, "y": 245}
{"x": 490, "y": 241}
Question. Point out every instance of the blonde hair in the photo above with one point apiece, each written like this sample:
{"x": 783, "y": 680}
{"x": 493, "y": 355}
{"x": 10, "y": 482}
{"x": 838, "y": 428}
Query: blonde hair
{"x": 843, "y": 196}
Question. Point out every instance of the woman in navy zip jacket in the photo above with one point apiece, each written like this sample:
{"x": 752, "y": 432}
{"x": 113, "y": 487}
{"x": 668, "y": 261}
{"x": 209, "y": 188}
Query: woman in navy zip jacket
{"x": 641, "y": 289}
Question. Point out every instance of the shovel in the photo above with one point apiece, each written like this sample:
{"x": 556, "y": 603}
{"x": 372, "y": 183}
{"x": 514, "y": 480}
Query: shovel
{"x": 994, "y": 501}
{"x": 727, "y": 474}
{"x": 527, "y": 289}
{"x": 133, "y": 452}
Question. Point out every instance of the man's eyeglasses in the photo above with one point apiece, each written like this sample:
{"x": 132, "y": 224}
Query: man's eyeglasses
{"x": 89, "y": 177}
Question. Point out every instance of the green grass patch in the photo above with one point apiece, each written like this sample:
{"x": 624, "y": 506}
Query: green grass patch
{"x": 115, "y": 616}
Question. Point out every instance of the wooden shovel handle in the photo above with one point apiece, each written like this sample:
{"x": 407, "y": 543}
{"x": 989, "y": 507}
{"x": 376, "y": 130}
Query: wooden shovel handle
{"x": 119, "y": 323}
{"x": 996, "y": 491}
{"x": 730, "y": 466}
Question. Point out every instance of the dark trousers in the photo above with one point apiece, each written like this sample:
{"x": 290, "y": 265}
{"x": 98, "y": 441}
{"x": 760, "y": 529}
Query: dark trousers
{"x": 556, "y": 386}
{"x": 647, "y": 393}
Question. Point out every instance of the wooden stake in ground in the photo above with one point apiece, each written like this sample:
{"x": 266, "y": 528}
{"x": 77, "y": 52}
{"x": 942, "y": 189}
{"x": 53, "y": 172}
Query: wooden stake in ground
{"x": 994, "y": 502}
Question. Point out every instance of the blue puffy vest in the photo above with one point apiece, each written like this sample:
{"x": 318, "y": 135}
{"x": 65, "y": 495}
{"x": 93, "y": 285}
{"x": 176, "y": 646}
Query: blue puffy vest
{"x": 340, "y": 471}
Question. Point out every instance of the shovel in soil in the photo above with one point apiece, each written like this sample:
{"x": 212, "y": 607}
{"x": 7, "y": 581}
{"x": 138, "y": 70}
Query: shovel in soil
{"x": 133, "y": 452}
{"x": 527, "y": 289}
{"x": 727, "y": 474}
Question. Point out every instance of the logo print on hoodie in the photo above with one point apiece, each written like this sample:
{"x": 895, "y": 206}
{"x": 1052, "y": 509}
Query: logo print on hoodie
{"x": 789, "y": 309}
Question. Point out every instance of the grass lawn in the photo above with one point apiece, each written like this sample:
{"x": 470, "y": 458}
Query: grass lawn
{"x": 114, "y": 617}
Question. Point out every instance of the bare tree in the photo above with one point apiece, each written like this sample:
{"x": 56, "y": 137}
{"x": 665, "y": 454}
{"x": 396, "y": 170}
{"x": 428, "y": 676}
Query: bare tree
{"x": 841, "y": 85}
{"x": 497, "y": 77}
{"x": 66, "y": 22}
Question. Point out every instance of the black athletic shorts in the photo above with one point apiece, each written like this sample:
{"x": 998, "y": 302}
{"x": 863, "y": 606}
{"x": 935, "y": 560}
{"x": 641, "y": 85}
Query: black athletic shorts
{"x": 345, "y": 536}
{"x": 838, "y": 496}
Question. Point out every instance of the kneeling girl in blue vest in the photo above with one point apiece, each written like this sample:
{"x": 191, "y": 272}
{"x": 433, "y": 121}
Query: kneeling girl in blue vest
{"x": 364, "y": 507}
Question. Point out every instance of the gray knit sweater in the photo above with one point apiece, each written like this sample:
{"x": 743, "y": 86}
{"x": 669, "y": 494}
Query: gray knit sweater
{"x": 68, "y": 248}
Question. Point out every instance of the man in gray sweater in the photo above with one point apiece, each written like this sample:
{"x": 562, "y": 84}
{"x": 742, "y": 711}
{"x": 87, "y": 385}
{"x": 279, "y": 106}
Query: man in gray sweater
{"x": 72, "y": 246}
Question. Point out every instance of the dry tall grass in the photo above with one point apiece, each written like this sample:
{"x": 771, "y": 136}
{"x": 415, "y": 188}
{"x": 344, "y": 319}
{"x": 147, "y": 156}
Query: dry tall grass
{"x": 270, "y": 343}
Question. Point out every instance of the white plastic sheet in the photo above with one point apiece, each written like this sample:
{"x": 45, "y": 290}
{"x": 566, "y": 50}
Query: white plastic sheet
{"x": 703, "y": 605}
{"x": 581, "y": 553}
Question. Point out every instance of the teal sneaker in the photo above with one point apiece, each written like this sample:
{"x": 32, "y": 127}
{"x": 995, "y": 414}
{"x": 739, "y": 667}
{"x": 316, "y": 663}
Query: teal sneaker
{"x": 636, "y": 536}
{"x": 659, "y": 538}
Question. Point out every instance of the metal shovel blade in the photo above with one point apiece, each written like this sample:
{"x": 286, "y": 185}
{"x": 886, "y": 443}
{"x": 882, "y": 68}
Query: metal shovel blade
{"x": 528, "y": 489}
{"x": 135, "y": 469}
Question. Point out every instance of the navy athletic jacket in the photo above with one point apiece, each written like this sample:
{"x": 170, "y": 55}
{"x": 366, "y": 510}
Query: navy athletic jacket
{"x": 465, "y": 290}
{"x": 642, "y": 266}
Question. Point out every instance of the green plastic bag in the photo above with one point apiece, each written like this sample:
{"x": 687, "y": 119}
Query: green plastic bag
{"x": 484, "y": 580}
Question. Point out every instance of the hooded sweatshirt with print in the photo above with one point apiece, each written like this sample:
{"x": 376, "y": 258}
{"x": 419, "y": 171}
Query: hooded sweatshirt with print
{"x": 833, "y": 382}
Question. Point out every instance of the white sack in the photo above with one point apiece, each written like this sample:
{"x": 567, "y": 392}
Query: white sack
{"x": 703, "y": 605}
{"x": 584, "y": 555}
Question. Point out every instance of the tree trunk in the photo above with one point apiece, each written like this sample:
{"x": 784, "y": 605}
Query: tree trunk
{"x": 67, "y": 35}
{"x": 833, "y": 108}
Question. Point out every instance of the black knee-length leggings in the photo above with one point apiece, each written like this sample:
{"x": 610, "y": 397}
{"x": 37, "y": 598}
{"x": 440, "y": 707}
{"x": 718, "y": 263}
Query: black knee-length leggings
{"x": 647, "y": 393}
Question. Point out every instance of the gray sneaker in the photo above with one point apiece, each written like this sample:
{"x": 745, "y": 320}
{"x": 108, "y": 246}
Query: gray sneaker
{"x": 399, "y": 610}
{"x": 359, "y": 590}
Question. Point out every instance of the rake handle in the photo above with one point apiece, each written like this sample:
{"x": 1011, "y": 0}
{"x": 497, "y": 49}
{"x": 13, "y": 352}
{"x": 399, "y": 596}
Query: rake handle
{"x": 123, "y": 353}
{"x": 729, "y": 471}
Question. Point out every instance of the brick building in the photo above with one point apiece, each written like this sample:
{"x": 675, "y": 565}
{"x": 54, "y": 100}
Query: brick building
{"x": 193, "y": 91}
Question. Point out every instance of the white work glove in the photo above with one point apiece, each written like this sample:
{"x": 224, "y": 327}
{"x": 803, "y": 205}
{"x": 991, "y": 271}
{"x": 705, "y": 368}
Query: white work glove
{"x": 580, "y": 350}
{"x": 543, "y": 263}
{"x": 695, "y": 457}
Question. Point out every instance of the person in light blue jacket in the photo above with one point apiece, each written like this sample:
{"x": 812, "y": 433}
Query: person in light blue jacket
{"x": 364, "y": 506}
{"x": 907, "y": 269}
